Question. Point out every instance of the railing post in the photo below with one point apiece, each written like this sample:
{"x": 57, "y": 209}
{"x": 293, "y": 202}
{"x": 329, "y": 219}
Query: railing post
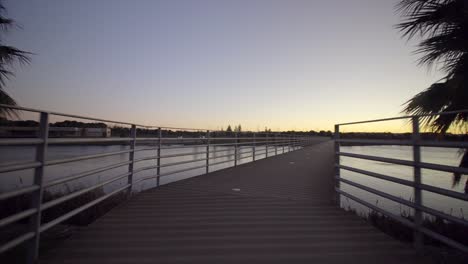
{"x": 292, "y": 142}
{"x": 276, "y": 145}
{"x": 131, "y": 158}
{"x": 282, "y": 145}
{"x": 266, "y": 145}
{"x": 207, "y": 151}
{"x": 235, "y": 151}
{"x": 158, "y": 160}
{"x": 36, "y": 199}
{"x": 418, "y": 216}
{"x": 289, "y": 143}
{"x": 253, "y": 148}
{"x": 337, "y": 164}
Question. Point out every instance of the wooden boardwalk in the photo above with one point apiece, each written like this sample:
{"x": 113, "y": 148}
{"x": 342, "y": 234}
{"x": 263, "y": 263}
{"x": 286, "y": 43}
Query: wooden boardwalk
{"x": 282, "y": 214}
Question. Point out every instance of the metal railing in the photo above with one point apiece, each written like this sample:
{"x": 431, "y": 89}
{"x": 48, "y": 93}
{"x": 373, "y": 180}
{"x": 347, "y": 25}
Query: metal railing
{"x": 254, "y": 143}
{"x": 416, "y": 143}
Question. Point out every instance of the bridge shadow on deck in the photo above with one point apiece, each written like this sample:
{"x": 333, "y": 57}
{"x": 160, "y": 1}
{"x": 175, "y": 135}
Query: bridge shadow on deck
{"x": 282, "y": 214}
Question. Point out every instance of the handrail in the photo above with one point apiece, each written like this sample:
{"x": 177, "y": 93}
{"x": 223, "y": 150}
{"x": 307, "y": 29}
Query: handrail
{"x": 245, "y": 145}
{"x": 415, "y": 142}
{"x": 404, "y": 117}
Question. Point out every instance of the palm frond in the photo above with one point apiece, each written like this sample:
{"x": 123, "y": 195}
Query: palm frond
{"x": 5, "y": 98}
{"x": 443, "y": 24}
{"x": 447, "y": 48}
{"x": 10, "y": 55}
{"x": 446, "y": 96}
{"x": 5, "y": 23}
{"x": 430, "y": 101}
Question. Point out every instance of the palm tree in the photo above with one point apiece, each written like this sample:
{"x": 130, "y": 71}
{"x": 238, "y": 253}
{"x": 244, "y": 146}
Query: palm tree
{"x": 442, "y": 26}
{"x": 8, "y": 57}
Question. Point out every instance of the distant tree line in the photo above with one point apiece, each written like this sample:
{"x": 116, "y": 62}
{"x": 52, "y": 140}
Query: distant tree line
{"x": 66, "y": 123}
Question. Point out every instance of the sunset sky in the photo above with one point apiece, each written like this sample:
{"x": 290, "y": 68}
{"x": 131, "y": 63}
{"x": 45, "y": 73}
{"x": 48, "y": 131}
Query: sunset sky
{"x": 286, "y": 64}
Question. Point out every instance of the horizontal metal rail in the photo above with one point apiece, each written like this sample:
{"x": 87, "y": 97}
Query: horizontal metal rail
{"x": 220, "y": 150}
{"x": 403, "y": 117}
{"x": 86, "y": 157}
{"x": 426, "y": 187}
{"x": 376, "y": 142}
{"x": 16, "y": 217}
{"x": 59, "y": 141}
{"x": 145, "y": 158}
{"x": 17, "y": 241}
{"x": 19, "y": 191}
{"x": 20, "y": 141}
{"x": 222, "y": 156}
{"x": 181, "y": 162}
{"x": 20, "y": 166}
{"x": 377, "y": 175}
{"x": 250, "y": 156}
{"x": 63, "y": 114}
{"x": 182, "y": 154}
{"x": 374, "y": 158}
{"x": 445, "y": 168}
{"x": 170, "y": 173}
{"x": 423, "y": 165}
{"x": 444, "y": 144}
{"x": 424, "y": 143}
{"x": 259, "y": 139}
{"x": 145, "y": 149}
{"x": 72, "y": 195}
{"x": 221, "y": 162}
{"x": 167, "y": 165}
{"x": 85, "y": 173}
{"x": 80, "y": 209}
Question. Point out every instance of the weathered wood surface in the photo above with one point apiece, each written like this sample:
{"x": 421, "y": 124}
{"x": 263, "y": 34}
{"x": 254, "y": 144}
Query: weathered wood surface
{"x": 282, "y": 214}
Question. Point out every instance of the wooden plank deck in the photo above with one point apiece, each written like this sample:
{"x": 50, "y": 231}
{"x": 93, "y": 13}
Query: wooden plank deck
{"x": 282, "y": 214}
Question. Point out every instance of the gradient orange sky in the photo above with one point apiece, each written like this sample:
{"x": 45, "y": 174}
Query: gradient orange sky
{"x": 286, "y": 65}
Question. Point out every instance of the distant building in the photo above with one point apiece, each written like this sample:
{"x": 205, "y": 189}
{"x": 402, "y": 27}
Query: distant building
{"x": 97, "y": 132}
{"x": 65, "y": 132}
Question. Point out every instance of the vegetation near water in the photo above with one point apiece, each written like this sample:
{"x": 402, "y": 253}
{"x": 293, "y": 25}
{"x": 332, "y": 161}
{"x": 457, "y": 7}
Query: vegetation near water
{"x": 436, "y": 249}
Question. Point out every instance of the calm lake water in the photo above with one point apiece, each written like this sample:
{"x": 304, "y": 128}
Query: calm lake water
{"x": 445, "y": 156}
{"x": 12, "y": 180}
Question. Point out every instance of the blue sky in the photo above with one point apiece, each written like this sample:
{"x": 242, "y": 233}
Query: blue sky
{"x": 283, "y": 64}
